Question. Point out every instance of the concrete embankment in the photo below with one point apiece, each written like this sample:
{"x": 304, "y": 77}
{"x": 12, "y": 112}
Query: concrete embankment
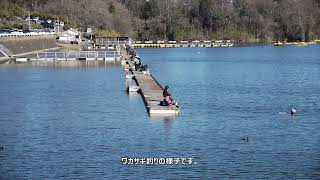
{"x": 22, "y": 46}
{"x": 28, "y": 44}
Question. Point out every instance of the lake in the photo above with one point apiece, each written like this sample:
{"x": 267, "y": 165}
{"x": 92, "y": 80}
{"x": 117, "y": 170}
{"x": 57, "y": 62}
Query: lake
{"x": 79, "y": 123}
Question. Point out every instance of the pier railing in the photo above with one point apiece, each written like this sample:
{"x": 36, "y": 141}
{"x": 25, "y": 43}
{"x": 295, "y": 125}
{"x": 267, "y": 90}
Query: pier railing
{"x": 76, "y": 55}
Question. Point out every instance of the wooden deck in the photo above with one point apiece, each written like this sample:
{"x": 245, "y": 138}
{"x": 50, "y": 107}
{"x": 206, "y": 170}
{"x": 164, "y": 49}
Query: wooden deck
{"x": 151, "y": 92}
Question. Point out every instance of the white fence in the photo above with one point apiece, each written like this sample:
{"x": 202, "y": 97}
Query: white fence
{"x": 76, "y": 55}
{"x": 17, "y": 34}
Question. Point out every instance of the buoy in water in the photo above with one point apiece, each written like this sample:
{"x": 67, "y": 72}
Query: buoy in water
{"x": 293, "y": 112}
{"x": 246, "y": 138}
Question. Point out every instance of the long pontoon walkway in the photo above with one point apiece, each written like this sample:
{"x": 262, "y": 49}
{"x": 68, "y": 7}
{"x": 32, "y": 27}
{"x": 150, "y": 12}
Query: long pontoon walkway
{"x": 151, "y": 92}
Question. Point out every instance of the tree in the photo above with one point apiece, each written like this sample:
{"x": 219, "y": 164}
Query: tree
{"x": 258, "y": 20}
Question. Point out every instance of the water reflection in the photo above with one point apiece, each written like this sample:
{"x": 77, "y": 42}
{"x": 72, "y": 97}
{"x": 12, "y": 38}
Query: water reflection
{"x": 168, "y": 120}
{"x": 128, "y": 82}
{"x": 133, "y": 95}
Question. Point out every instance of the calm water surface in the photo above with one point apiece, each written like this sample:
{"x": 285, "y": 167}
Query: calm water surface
{"x": 68, "y": 123}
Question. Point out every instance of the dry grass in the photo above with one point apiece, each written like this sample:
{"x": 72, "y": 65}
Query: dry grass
{"x": 19, "y": 38}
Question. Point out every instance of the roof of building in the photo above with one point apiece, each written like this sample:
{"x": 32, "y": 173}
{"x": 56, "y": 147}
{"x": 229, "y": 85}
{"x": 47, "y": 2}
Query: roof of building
{"x": 73, "y": 31}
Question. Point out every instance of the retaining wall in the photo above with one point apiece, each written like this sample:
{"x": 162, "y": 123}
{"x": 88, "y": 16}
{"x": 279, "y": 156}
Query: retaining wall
{"x": 24, "y": 45}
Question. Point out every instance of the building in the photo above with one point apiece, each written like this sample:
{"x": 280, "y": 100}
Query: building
{"x": 113, "y": 41}
{"x": 89, "y": 30}
{"x": 70, "y": 36}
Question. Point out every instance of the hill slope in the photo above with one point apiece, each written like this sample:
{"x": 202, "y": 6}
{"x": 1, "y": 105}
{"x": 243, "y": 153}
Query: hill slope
{"x": 180, "y": 19}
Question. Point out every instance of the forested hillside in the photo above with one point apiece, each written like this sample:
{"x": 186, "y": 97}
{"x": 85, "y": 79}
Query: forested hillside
{"x": 250, "y": 20}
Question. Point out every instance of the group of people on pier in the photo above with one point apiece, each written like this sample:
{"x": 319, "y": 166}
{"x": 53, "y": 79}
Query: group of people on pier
{"x": 139, "y": 66}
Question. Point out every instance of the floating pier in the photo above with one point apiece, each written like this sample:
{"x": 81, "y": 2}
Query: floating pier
{"x": 151, "y": 92}
{"x": 71, "y": 58}
{"x": 79, "y": 55}
{"x": 103, "y": 43}
{"x": 180, "y": 44}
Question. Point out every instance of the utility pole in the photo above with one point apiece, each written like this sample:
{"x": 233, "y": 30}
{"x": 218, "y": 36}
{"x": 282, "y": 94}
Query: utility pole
{"x": 29, "y": 20}
{"x": 58, "y": 25}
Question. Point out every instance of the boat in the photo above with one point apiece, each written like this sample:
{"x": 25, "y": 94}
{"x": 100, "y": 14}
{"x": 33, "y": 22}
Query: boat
{"x": 301, "y": 44}
{"x": 215, "y": 45}
{"x": 278, "y": 43}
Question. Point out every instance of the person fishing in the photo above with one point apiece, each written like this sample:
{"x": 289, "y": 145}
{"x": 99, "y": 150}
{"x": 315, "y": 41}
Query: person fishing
{"x": 132, "y": 53}
{"x": 167, "y": 98}
{"x": 137, "y": 63}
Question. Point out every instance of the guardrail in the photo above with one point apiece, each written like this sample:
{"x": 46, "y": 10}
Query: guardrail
{"x": 18, "y": 34}
{"x": 74, "y": 55}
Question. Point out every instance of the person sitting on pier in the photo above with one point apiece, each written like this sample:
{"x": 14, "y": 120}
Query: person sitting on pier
{"x": 127, "y": 48}
{"x": 144, "y": 69}
{"x": 132, "y": 54}
{"x": 137, "y": 63}
{"x": 167, "y": 98}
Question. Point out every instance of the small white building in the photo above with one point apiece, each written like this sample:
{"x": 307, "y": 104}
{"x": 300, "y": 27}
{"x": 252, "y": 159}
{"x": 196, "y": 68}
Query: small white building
{"x": 89, "y": 30}
{"x": 70, "y": 36}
